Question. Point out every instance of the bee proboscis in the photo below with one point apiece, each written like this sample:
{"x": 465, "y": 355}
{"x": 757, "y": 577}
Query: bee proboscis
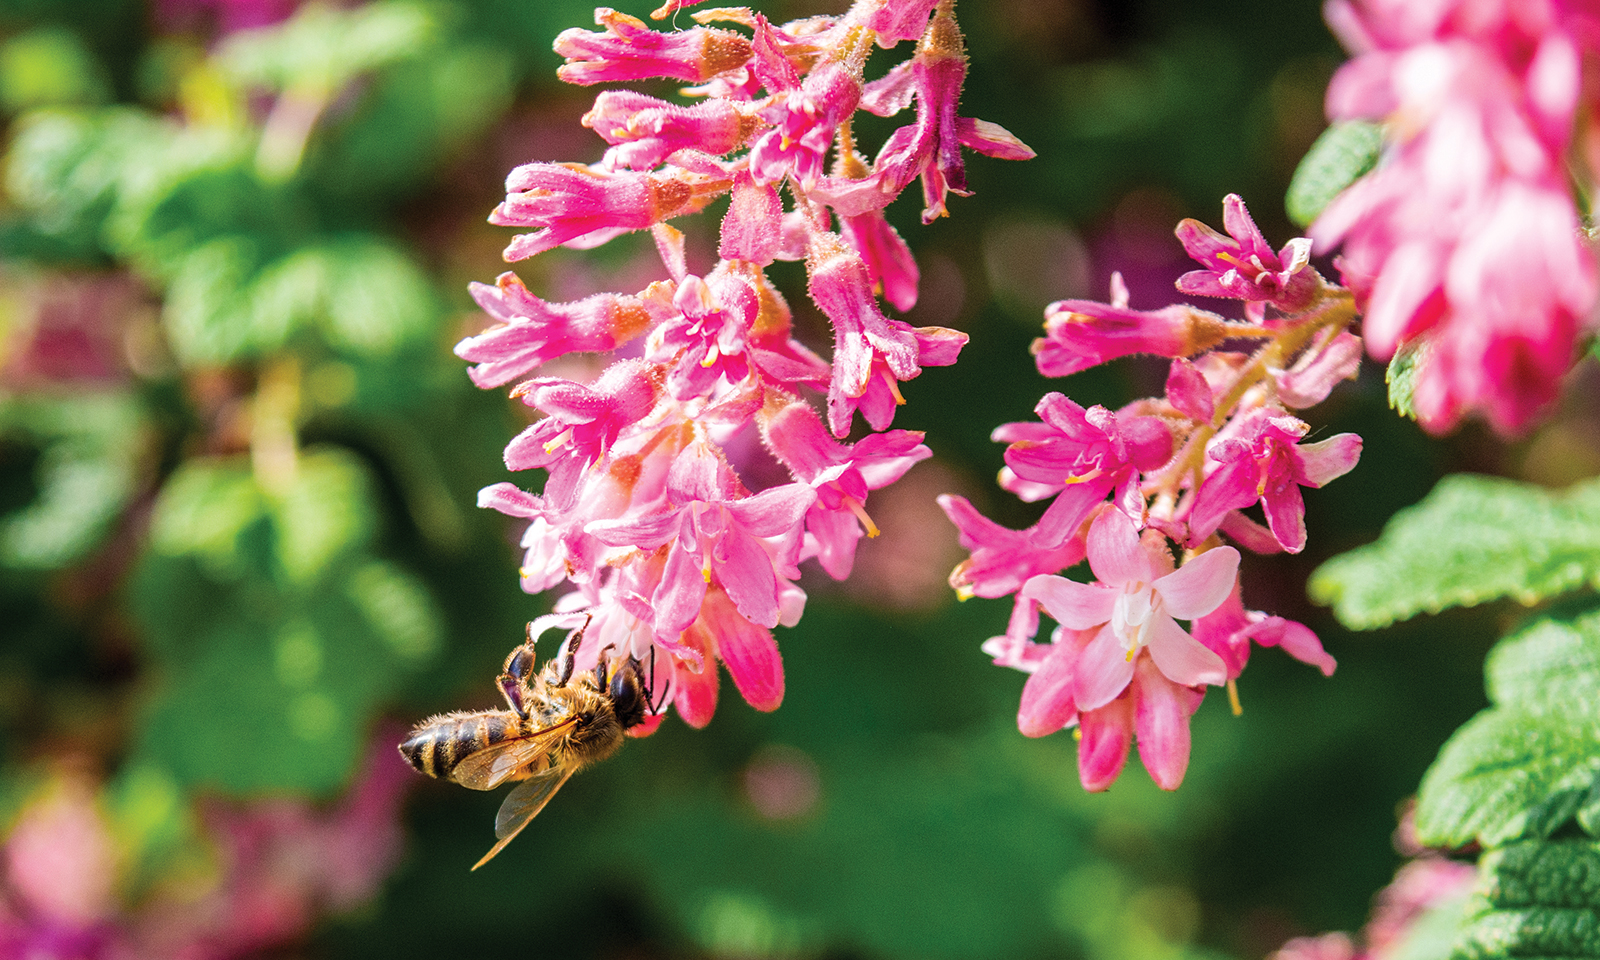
{"x": 558, "y": 722}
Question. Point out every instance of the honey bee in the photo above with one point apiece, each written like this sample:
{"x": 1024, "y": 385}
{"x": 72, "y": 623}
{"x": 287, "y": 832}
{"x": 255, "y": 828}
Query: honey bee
{"x": 558, "y": 723}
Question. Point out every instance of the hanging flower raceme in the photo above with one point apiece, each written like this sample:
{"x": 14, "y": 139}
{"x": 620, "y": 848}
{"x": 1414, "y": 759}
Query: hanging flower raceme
{"x": 1163, "y": 478}
{"x": 676, "y": 559}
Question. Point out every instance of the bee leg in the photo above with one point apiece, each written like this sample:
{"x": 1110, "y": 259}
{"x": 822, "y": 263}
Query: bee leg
{"x": 514, "y": 677}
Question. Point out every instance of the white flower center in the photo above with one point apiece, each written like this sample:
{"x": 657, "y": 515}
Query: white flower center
{"x": 1133, "y": 615}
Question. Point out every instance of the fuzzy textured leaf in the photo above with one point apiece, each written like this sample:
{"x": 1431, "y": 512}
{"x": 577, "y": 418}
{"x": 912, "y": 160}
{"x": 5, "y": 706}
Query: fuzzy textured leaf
{"x": 1530, "y": 764}
{"x": 1337, "y": 159}
{"x": 1401, "y": 376}
{"x": 1471, "y": 540}
{"x": 1535, "y": 899}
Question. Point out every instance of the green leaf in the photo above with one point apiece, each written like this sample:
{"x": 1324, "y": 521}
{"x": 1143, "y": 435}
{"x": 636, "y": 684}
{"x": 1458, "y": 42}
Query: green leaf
{"x": 65, "y": 166}
{"x": 379, "y": 302}
{"x": 1401, "y": 376}
{"x": 1472, "y": 539}
{"x": 325, "y": 514}
{"x": 1530, "y": 764}
{"x": 322, "y": 47}
{"x": 88, "y": 472}
{"x": 210, "y": 317}
{"x": 1536, "y": 899}
{"x": 204, "y": 510}
{"x": 1340, "y": 156}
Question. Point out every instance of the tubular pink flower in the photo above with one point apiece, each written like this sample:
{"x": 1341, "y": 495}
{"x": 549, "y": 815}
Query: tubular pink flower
{"x": 1133, "y": 606}
{"x": 629, "y": 50}
{"x": 1079, "y": 334}
{"x": 871, "y": 353}
{"x": 645, "y": 131}
{"x": 897, "y": 20}
{"x": 841, "y": 474}
{"x": 532, "y": 331}
{"x": 582, "y": 422}
{"x": 1228, "y": 630}
{"x": 575, "y": 204}
{"x": 1467, "y": 236}
{"x": 1002, "y": 559}
{"x": 706, "y": 340}
{"x": 1264, "y": 460}
{"x": 713, "y": 535}
{"x": 931, "y": 148}
{"x": 888, "y": 259}
{"x": 804, "y": 120}
{"x": 1242, "y": 266}
{"x": 1083, "y": 455}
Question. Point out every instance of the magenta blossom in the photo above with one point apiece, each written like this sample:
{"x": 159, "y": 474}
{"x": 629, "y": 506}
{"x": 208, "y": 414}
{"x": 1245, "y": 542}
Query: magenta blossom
{"x": 1135, "y": 641}
{"x": 1229, "y": 629}
{"x": 1242, "y": 266}
{"x": 585, "y": 206}
{"x": 630, "y": 50}
{"x": 714, "y": 535}
{"x": 1079, "y": 334}
{"x": 1080, "y": 456}
{"x": 841, "y": 474}
{"x": 1263, "y": 460}
{"x": 646, "y": 131}
{"x": 582, "y": 421}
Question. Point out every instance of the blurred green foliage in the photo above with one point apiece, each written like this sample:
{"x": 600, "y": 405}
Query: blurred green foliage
{"x": 221, "y": 568}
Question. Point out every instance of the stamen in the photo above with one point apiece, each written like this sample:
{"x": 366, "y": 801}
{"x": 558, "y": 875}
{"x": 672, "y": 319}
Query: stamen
{"x": 560, "y": 440}
{"x": 1233, "y": 697}
{"x": 861, "y": 514}
{"x": 894, "y": 388}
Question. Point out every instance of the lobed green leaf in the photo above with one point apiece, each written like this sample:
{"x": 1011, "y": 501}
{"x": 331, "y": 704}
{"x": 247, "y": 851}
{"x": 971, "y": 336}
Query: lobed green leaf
{"x": 1472, "y": 539}
{"x": 1535, "y": 899}
{"x": 1529, "y": 765}
{"x": 1340, "y": 156}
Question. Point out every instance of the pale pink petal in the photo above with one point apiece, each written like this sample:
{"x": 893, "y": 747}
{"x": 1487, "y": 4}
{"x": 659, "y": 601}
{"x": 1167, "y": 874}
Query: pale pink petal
{"x": 1047, "y": 703}
{"x": 1070, "y": 603}
{"x": 1181, "y": 657}
{"x": 1162, "y": 719}
{"x": 1199, "y": 586}
{"x": 1286, "y": 515}
{"x": 1328, "y": 459}
{"x": 1115, "y": 554}
{"x": 1297, "y": 640}
{"x": 1103, "y": 749}
{"x": 678, "y": 597}
{"x": 1104, "y": 670}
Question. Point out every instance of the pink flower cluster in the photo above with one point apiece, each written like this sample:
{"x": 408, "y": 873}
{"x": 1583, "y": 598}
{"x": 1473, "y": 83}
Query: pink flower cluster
{"x": 677, "y": 560}
{"x": 1466, "y": 241}
{"x": 1126, "y": 486}
{"x": 66, "y": 873}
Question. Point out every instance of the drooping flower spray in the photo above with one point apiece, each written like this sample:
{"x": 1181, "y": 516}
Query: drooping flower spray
{"x": 673, "y": 555}
{"x": 1127, "y": 488}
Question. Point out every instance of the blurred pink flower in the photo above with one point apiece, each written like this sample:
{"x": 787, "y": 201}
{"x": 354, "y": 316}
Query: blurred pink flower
{"x": 1466, "y": 238}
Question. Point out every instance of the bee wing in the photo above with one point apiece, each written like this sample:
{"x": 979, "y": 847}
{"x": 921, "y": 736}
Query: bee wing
{"x": 490, "y": 767}
{"x": 522, "y": 804}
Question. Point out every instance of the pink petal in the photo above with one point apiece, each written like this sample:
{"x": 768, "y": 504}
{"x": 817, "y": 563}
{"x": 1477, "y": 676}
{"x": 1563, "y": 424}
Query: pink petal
{"x": 1115, "y": 554}
{"x": 751, "y": 656}
{"x": 1328, "y": 459}
{"x": 1075, "y": 605}
{"x": 678, "y": 597}
{"x": 1286, "y": 515}
{"x": 1107, "y": 734}
{"x": 1181, "y": 657}
{"x": 695, "y": 694}
{"x": 1162, "y": 719}
{"x": 1104, "y": 670}
{"x": 1047, "y": 704}
{"x": 1199, "y": 586}
{"x": 511, "y": 500}
{"x": 746, "y": 573}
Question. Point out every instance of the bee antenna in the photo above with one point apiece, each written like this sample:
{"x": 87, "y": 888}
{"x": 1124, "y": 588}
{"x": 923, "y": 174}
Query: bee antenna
{"x": 649, "y": 694}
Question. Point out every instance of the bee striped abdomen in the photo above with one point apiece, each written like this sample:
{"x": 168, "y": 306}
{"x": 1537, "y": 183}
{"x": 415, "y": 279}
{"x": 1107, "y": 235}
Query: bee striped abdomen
{"x": 439, "y": 744}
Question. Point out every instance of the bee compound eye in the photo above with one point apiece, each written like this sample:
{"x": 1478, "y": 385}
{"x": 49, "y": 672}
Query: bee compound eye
{"x": 627, "y": 694}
